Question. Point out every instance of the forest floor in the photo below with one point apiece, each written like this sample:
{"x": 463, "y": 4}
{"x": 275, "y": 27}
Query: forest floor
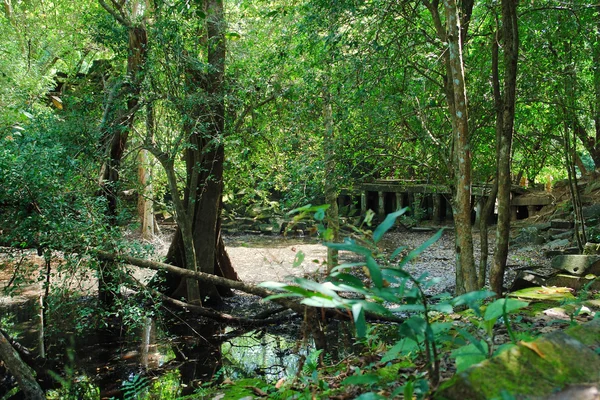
{"x": 259, "y": 258}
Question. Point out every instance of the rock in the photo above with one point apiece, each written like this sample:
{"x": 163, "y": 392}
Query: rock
{"x": 526, "y": 279}
{"x": 561, "y": 234}
{"x": 561, "y": 224}
{"x": 572, "y": 281}
{"x": 555, "y": 244}
{"x": 552, "y": 362}
{"x": 577, "y": 264}
{"x": 541, "y": 227}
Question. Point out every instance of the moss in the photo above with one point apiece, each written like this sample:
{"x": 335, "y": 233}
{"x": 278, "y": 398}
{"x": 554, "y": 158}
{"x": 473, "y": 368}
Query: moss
{"x": 535, "y": 368}
{"x": 588, "y": 334}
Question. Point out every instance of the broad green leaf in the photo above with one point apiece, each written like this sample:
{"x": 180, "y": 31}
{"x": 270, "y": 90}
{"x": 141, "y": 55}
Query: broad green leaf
{"x": 502, "y": 306}
{"x": 375, "y": 308}
{"x": 445, "y": 308}
{"x": 320, "y": 302}
{"x": 469, "y": 355}
{"x": 359, "y": 320}
{"x": 387, "y": 223}
{"x": 473, "y": 300}
{"x": 409, "y": 308}
{"x": 403, "y": 346}
{"x": 374, "y": 271}
{"x": 350, "y": 245}
{"x": 370, "y": 396}
{"x": 346, "y": 266}
{"x": 366, "y": 379}
{"x": 476, "y": 342}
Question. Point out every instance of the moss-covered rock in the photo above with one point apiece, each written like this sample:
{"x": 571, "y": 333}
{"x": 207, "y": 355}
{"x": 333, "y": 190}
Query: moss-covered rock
{"x": 536, "y": 368}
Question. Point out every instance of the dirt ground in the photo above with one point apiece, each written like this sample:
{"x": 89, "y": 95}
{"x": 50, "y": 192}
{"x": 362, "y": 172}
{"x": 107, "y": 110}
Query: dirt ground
{"x": 258, "y": 258}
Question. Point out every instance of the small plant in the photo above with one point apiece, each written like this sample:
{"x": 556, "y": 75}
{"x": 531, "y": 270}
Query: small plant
{"x": 392, "y": 291}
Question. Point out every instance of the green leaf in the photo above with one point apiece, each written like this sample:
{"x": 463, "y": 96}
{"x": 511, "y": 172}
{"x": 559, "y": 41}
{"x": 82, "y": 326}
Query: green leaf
{"x": 473, "y": 300}
{"x": 366, "y": 379}
{"x": 409, "y": 308}
{"x": 350, "y": 245}
{"x": 397, "y": 251}
{"x": 403, "y": 346}
{"x": 232, "y": 36}
{"x": 359, "y": 320}
{"x": 501, "y": 306}
{"x": 298, "y": 259}
{"x": 374, "y": 271}
{"x": 387, "y": 223}
{"x": 370, "y": 396}
{"x": 445, "y": 308}
{"x": 476, "y": 342}
{"x": 416, "y": 252}
{"x": 469, "y": 355}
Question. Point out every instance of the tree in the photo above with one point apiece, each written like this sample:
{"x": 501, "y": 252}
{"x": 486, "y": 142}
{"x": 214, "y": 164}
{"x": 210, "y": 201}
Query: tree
{"x": 505, "y": 116}
{"x": 197, "y": 243}
{"x": 117, "y": 123}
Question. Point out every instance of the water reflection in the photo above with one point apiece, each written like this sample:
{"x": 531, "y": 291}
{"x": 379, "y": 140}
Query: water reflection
{"x": 184, "y": 354}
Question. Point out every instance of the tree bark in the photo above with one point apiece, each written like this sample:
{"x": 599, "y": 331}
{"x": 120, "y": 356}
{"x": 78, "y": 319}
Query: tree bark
{"x": 118, "y": 130}
{"x": 19, "y": 370}
{"x": 510, "y": 39}
{"x": 466, "y": 275}
{"x": 205, "y": 158}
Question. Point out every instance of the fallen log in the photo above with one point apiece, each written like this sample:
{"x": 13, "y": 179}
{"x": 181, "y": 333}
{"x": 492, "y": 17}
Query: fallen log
{"x": 238, "y": 285}
{"x": 21, "y": 371}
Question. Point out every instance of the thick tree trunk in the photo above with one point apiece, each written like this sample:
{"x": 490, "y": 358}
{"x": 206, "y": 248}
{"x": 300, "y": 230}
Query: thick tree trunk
{"x": 510, "y": 38}
{"x": 204, "y": 160}
{"x": 19, "y": 370}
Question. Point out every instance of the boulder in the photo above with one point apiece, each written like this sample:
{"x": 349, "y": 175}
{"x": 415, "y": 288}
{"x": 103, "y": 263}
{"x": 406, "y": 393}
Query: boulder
{"x": 577, "y": 264}
{"x": 525, "y": 279}
{"x": 537, "y": 369}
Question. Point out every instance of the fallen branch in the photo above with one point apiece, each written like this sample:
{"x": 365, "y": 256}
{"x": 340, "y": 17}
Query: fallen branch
{"x": 244, "y": 287}
{"x": 260, "y": 320}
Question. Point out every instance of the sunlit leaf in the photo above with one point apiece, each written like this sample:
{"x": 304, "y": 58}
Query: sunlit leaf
{"x": 298, "y": 259}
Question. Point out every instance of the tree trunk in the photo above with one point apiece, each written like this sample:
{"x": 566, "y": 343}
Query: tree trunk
{"x": 204, "y": 159}
{"x": 119, "y": 130}
{"x": 510, "y": 39}
{"x": 145, "y": 203}
{"x": 466, "y": 275}
{"x": 330, "y": 184}
{"x": 19, "y": 370}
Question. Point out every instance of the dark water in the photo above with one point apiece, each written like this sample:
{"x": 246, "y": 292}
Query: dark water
{"x": 170, "y": 355}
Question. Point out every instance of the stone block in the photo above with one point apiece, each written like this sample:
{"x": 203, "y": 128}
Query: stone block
{"x": 556, "y": 244}
{"x": 561, "y": 224}
{"x": 576, "y": 264}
